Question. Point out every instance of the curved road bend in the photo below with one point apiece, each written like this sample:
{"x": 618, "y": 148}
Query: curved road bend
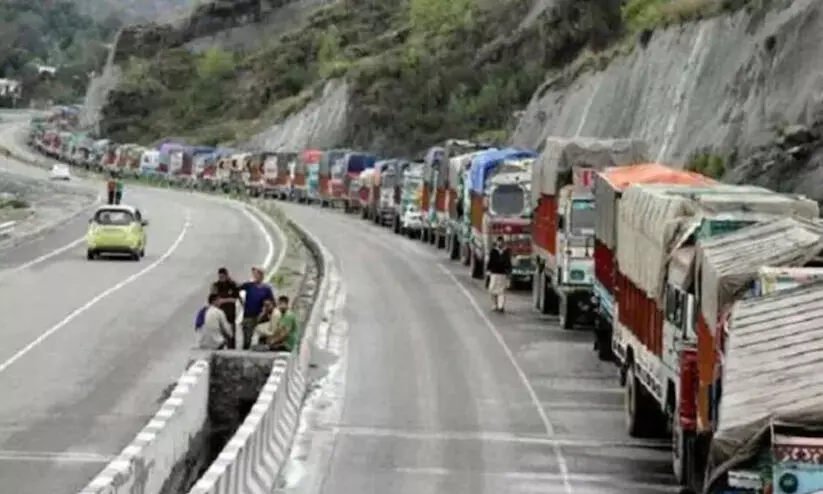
{"x": 87, "y": 348}
{"x": 444, "y": 396}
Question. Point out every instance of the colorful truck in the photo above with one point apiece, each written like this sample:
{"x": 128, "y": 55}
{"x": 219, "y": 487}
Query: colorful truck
{"x": 298, "y": 172}
{"x": 344, "y": 172}
{"x": 609, "y": 185}
{"x": 499, "y": 205}
{"x": 366, "y": 181}
{"x": 458, "y": 231}
{"x": 564, "y": 219}
{"x": 389, "y": 199}
{"x": 436, "y": 185}
{"x": 373, "y": 210}
{"x": 313, "y": 183}
{"x": 332, "y": 158}
{"x": 411, "y": 219}
{"x": 767, "y": 438}
{"x": 684, "y": 254}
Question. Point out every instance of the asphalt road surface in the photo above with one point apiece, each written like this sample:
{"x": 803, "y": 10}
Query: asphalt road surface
{"x": 445, "y": 396}
{"x": 88, "y": 347}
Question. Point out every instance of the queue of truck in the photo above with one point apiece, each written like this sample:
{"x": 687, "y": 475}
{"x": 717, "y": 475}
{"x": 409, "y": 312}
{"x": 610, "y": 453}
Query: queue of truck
{"x": 708, "y": 297}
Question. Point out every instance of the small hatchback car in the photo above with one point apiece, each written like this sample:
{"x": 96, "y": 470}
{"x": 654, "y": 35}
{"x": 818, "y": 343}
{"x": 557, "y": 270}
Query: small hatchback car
{"x": 116, "y": 229}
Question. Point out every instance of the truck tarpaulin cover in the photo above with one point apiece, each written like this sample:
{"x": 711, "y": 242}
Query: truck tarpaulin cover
{"x": 561, "y": 154}
{"x": 771, "y": 373}
{"x": 729, "y": 263}
{"x": 485, "y": 161}
{"x": 357, "y": 162}
{"x": 459, "y": 164}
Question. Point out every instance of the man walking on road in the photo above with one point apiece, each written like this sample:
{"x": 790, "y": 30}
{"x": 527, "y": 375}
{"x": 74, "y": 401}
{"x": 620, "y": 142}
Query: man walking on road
{"x": 258, "y": 293}
{"x": 499, "y": 268}
{"x": 111, "y": 186}
{"x": 227, "y": 293}
{"x": 216, "y": 330}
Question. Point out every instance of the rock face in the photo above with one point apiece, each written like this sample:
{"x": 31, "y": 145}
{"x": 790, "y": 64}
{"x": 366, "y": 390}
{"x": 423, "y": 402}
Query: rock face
{"x": 727, "y": 84}
{"x": 322, "y": 124}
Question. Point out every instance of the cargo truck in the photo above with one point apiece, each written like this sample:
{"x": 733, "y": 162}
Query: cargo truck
{"x": 276, "y": 169}
{"x": 346, "y": 170}
{"x": 564, "y": 219}
{"x": 768, "y": 438}
{"x": 411, "y": 222}
{"x": 374, "y": 190}
{"x": 390, "y": 193}
{"x": 499, "y": 205}
{"x": 313, "y": 183}
{"x": 435, "y": 187}
{"x": 400, "y": 203}
{"x": 457, "y": 233}
{"x": 684, "y": 253}
{"x": 366, "y": 180}
{"x": 609, "y": 185}
{"x": 298, "y": 169}
{"x": 329, "y": 159}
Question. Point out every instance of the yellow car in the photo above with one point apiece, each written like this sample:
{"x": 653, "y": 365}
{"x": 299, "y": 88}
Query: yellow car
{"x": 116, "y": 229}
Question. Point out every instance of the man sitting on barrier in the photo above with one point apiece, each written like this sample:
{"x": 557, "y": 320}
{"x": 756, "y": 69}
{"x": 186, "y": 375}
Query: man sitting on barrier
{"x": 215, "y": 330}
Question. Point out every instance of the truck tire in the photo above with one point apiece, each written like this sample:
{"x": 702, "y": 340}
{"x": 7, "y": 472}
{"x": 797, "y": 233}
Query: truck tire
{"x": 680, "y": 464}
{"x": 363, "y": 214}
{"x": 567, "y": 313}
{"x": 643, "y": 419}
{"x": 441, "y": 241}
{"x": 454, "y": 248}
{"x": 465, "y": 252}
{"x": 396, "y": 224}
{"x": 547, "y": 298}
{"x": 476, "y": 267}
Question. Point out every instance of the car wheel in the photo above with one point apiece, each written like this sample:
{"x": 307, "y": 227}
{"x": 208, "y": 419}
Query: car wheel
{"x": 142, "y": 253}
{"x": 91, "y": 255}
{"x": 135, "y": 256}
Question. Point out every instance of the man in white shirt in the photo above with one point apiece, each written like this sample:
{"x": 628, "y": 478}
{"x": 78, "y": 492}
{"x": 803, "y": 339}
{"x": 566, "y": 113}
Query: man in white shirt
{"x": 216, "y": 330}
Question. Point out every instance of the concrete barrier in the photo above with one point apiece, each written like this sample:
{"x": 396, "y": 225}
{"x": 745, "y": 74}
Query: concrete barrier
{"x": 254, "y": 458}
{"x": 147, "y": 464}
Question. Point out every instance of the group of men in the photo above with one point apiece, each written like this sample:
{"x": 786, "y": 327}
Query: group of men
{"x": 267, "y": 324}
{"x": 114, "y": 189}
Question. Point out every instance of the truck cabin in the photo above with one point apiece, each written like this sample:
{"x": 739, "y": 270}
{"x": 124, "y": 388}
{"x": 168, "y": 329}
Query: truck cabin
{"x": 576, "y": 215}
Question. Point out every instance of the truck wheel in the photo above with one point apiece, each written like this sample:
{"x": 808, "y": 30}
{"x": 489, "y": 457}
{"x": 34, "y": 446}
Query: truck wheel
{"x": 643, "y": 420}
{"x": 476, "y": 267}
{"x": 603, "y": 340}
{"x": 432, "y": 238}
{"x": 567, "y": 313}
{"x": 465, "y": 252}
{"x": 441, "y": 241}
{"x": 396, "y": 225}
{"x": 537, "y": 288}
{"x": 548, "y": 297}
{"x": 680, "y": 465}
{"x": 454, "y": 248}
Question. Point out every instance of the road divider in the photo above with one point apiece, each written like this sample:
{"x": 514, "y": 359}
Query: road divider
{"x": 161, "y": 451}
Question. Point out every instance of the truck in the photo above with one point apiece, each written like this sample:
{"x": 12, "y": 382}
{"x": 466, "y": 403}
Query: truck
{"x": 274, "y": 171}
{"x": 298, "y": 169}
{"x": 609, "y": 185}
{"x": 436, "y": 185}
{"x": 400, "y": 202}
{"x": 564, "y": 219}
{"x": 366, "y": 180}
{"x": 684, "y": 254}
{"x": 767, "y": 438}
{"x": 411, "y": 219}
{"x": 499, "y": 206}
{"x": 344, "y": 172}
{"x": 388, "y": 203}
{"x": 373, "y": 186}
{"x": 329, "y": 159}
{"x": 458, "y": 233}
{"x": 313, "y": 183}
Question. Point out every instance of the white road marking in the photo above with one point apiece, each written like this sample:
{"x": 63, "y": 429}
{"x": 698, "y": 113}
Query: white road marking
{"x": 497, "y": 437}
{"x": 53, "y": 457}
{"x": 541, "y": 412}
{"x": 91, "y": 303}
{"x": 611, "y": 480}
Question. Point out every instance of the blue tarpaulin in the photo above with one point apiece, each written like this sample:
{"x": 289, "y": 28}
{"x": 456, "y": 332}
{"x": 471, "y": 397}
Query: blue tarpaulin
{"x": 357, "y": 162}
{"x": 485, "y": 162}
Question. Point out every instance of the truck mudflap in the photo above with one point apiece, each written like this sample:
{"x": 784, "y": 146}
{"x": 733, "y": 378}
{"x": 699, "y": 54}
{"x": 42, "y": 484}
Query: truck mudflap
{"x": 576, "y": 309}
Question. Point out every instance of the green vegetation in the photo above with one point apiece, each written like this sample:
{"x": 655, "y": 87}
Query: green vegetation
{"x": 420, "y": 71}
{"x": 706, "y": 163}
{"x": 54, "y": 34}
{"x": 14, "y": 203}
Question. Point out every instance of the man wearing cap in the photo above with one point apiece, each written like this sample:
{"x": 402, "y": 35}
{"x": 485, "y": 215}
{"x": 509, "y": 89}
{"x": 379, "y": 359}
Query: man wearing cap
{"x": 259, "y": 295}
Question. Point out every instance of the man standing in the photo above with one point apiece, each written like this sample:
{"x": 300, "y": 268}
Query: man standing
{"x": 257, "y": 294}
{"x": 111, "y": 186}
{"x": 499, "y": 269}
{"x": 215, "y": 331}
{"x": 227, "y": 293}
{"x": 118, "y": 190}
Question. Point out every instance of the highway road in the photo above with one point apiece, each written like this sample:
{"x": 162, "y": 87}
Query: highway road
{"x": 444, "y": 396}
{"x": 87, "y": 348}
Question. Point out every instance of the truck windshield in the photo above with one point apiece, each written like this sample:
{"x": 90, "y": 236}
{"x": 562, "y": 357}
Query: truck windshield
{"x": 582, "y": 216}
{"x": 388, "y": 181}
{"x": 411, "y": 184}
{"x": 508, "y": 200}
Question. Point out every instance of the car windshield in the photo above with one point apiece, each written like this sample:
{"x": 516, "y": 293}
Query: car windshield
{"x": 508, "y": 200}
{"x": 113, "y": 217}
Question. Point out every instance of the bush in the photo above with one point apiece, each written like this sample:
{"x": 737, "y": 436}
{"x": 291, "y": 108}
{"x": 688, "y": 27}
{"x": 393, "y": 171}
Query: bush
{"x": 707, "y": 164}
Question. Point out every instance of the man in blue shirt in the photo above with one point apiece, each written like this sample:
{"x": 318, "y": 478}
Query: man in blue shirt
{"x": 259, "y": 298}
